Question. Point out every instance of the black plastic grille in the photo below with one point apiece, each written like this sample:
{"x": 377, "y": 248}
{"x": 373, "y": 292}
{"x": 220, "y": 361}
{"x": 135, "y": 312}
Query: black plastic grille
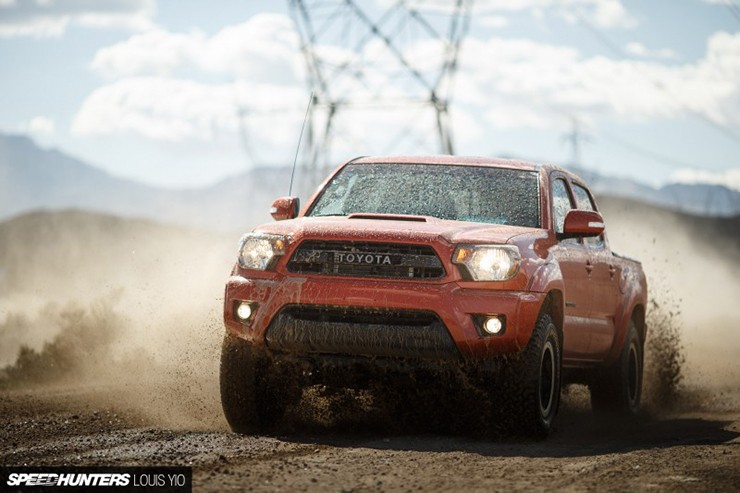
{"x": 361, "y": 332}
{"x": 384, "y": 260}
{"x": 360, "y": 315}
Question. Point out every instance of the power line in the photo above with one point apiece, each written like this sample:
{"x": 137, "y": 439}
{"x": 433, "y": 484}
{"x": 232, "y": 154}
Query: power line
{"x": 603, "y": 39}
{"x": 646, "y": 153}
{"x": 733, "y": 8}
{"x": 575, "y": 138}
{"x": 349, "y": 47}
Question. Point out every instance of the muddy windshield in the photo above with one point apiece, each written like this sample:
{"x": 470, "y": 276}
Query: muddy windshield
{"x": 461, "y": 193}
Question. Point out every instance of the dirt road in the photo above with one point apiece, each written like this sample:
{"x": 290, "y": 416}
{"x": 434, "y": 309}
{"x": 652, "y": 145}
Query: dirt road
{"x": 160, "y": 317}
{"x": 91, "y": 426}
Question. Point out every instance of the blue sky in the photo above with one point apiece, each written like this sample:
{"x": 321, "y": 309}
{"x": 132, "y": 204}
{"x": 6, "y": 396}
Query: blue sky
{"x": 152, "y": 89}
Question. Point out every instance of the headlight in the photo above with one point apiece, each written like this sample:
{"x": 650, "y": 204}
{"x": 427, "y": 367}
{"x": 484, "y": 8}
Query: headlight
{"x": 260, "y": 251}
{"x": 488, "y": 263}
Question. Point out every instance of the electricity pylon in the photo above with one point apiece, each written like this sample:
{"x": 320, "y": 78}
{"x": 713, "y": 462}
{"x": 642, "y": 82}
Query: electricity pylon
{"x": 387, "y": 64}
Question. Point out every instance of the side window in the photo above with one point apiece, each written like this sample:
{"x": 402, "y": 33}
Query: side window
{"x": 584, "y": 202}
{"x": 561, "y": 204}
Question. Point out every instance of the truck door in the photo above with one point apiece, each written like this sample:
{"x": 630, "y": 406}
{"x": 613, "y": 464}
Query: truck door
{"x": 604, "y": 281}
{"x": 575, "y": 265}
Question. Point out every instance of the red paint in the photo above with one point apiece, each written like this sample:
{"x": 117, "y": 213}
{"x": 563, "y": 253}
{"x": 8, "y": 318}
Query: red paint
{"x": 594, "y": 293}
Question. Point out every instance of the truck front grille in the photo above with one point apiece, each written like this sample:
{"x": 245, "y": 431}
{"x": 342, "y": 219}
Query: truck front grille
{"x": 359, "y": 331}
{"x": 366, "y": 259}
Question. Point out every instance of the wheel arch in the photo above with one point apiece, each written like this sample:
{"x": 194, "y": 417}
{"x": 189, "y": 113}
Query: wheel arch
{"x": 638, "y": 317}
{"x": 553, "y": 305}
{"x": 633, "y": 312}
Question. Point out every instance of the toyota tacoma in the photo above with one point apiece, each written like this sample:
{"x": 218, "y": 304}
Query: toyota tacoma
{"x": 498, "y": 269}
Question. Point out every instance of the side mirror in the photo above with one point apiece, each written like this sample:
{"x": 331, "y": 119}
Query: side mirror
{"x": 285, "y": 208}
{"x": 582, "y": 224}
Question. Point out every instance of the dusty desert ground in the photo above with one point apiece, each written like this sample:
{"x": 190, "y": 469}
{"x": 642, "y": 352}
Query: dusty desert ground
{"x": 109, "y": 342}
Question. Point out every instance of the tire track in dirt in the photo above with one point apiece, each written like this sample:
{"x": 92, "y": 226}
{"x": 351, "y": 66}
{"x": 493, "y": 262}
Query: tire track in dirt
{"x": 698, "y": 452}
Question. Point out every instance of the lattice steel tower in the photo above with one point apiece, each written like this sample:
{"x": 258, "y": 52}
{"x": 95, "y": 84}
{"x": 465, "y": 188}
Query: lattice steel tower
{"x": 388, "y": 65}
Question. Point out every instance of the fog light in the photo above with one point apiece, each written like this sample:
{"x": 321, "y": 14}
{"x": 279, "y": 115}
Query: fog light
{"x": 493, "y": 325}
{"x": 244, "y": 311}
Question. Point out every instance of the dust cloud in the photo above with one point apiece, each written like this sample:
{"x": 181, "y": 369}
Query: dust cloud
{"x": 133, "y": 309}
{"x": 130, "y": 307}
{"x": 693, "y": 270}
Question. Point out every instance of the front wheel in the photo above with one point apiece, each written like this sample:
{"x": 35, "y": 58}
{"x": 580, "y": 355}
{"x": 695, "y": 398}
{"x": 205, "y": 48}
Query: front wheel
{"x": 252, "y": 403}
{"x": 618, "y": 389}
{"x": 537, "y": 372}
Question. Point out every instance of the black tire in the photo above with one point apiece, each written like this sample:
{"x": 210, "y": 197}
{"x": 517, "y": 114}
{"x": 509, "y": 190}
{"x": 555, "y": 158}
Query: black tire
{"x": 537, "y": 373}
{"x": 618, "y": 389}
{"x": 250, "y": 402}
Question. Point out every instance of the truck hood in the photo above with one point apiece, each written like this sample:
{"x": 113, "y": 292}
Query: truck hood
{"x": 377, "y": 227}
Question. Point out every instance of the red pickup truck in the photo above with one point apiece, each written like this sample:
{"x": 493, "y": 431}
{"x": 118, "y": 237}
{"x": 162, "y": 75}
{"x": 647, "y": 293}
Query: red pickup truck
{"x": 499, "y": 269}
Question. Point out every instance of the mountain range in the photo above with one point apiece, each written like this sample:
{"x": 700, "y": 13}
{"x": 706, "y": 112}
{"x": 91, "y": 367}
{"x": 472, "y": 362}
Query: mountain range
{"x": 33, "y": 178}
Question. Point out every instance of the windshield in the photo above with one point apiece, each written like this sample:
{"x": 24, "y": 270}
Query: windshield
{"x": 463, "y": 193}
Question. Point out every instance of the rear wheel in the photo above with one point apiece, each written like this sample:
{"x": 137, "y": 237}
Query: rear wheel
{"x": 537, "y": 375}
{"x": 618, "y": 389}
{"x": 252, "y": 403}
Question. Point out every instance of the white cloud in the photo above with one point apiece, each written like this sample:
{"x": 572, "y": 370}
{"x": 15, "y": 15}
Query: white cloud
{"x": 169, "y": 109}
{"x": 160, "y": 87}
{"x": 711, "y": 86}
{"x": 492, "y": 21}
{"x": 729, "y": 178}
{"x": 49, "y": 18}
{"x": 39, "y": 125}
{"x": 603, "y": 13}
{"x": 265, "y": 47}
{"x": 531, "y": 84}
{"x": 640, "y": 50}
{"x": 163, "y": 83}
{"x": 156, "y": 108}
{"x": 155, "y": 52}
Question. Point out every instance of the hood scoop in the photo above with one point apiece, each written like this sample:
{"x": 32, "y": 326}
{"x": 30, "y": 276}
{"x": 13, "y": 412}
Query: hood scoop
{"x": 388, "y": 217}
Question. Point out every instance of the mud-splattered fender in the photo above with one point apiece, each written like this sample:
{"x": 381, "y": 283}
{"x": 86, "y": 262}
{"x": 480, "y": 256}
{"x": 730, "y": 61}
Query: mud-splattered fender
{"x": 633, "y": 293}
{"x": 548, "y": 278}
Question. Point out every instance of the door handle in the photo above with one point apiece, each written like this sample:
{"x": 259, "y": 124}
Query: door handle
{"x": 612, "y": 270}
{"x": 589, "y": 267}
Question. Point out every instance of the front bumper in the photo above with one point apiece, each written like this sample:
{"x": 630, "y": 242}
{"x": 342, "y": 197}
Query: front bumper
{"x": 455, "y": 307}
